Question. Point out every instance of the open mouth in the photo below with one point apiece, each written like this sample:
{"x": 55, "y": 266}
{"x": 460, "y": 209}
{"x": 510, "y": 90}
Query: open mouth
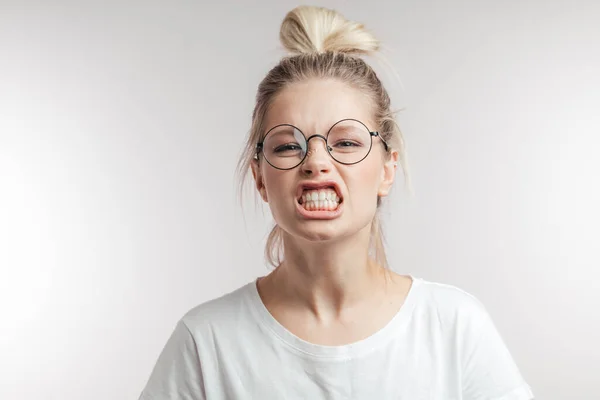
{"x": 322, "y": 199}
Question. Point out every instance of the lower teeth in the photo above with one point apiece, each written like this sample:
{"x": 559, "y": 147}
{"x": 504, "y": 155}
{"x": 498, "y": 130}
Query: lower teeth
{"x": 320, "y": 205}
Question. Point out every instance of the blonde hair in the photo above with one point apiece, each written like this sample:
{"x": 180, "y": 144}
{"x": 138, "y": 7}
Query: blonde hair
{"x": 323, "y": 44}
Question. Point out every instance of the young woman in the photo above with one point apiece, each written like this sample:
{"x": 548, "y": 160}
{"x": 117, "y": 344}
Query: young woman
{"x": 331, "y": 321}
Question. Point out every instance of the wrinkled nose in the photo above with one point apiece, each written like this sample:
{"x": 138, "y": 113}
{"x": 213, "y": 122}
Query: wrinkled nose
{"x": 317, "y": 158}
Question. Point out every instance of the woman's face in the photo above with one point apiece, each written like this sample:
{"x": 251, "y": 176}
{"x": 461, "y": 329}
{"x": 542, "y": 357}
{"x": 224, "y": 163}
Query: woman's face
{"x": 314, "y": 106}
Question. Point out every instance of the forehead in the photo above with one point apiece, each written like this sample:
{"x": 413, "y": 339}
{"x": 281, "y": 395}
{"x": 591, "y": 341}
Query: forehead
{"x": 315, "y": 105}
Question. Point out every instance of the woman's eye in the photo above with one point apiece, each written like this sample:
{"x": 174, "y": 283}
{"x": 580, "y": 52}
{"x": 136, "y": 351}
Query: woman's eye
{"x": 346, "y": 143}
{"x": 288, "y": 147}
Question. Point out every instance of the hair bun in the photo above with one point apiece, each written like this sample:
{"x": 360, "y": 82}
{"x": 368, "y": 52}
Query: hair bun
{"x": 310, "y": 29}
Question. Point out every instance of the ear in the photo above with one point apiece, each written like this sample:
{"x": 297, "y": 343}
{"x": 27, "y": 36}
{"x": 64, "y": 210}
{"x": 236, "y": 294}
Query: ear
{"x": 388, "y": 174}
{"x": 258, "y": 180}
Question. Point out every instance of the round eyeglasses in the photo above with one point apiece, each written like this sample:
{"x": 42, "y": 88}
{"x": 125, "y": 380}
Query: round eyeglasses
{"x": 348, "y": 142}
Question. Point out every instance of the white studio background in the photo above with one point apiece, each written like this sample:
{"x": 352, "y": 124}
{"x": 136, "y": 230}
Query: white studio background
{"x": 120, "y": 127}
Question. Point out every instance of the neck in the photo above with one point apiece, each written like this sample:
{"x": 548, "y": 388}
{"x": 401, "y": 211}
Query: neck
{"x": 328, "y": 277}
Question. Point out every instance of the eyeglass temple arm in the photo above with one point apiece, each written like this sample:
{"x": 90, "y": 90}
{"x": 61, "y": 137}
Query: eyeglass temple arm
{"x": 384, "y": 142}
{"x": 258, "y": 149}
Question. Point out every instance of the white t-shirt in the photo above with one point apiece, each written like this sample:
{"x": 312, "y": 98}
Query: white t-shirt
{"x": 441, "y": 345}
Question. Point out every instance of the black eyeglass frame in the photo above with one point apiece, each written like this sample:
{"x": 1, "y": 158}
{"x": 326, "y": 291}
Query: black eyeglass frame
{"x": 259, "y": 145}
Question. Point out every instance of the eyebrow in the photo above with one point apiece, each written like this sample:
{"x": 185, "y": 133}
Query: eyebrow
{"x": 282, "y": 129}
{"x": 290, "y": 126}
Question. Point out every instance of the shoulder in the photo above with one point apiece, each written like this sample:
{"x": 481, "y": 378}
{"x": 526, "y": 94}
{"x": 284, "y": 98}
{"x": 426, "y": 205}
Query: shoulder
{"x": 487, "y": 368}
{"x": 451, "y": 305}
{"x": 446, "y": 295}
{"x": 222, "y": 310}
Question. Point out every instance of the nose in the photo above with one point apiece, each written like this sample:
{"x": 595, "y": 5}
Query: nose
{"x": 317, "y": 158}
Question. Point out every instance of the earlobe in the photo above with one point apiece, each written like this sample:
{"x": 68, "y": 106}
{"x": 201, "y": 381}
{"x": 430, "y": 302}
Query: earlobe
{"x": 263, "y": 192}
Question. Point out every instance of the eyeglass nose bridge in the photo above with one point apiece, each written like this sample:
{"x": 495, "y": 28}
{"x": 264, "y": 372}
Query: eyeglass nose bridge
{"x": 308, "y": 152}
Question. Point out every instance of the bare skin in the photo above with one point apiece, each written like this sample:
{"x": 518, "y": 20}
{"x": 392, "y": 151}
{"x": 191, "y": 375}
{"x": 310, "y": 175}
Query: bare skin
{"x": 372, "y": 308}
{"x": 327, "y": 291}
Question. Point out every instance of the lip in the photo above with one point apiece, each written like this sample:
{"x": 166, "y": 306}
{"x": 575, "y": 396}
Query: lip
{"x": 318, "y": 185}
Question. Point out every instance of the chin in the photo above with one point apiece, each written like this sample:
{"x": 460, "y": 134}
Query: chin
{"x": 319, "y": 236}
{"x": 319, "y": 231}
{"x": 322, "y": 229}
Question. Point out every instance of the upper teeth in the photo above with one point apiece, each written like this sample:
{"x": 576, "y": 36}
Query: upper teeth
{"x": 320, "y": 195}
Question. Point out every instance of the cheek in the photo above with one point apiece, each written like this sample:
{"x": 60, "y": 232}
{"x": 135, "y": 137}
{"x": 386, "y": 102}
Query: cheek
{"x": 278, "y": 186}
{"x": 365, "y": 183}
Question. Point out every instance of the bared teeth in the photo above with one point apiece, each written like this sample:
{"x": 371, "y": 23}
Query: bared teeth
{"x": 320, "y": 195}
{"x": 322, "y": 199}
